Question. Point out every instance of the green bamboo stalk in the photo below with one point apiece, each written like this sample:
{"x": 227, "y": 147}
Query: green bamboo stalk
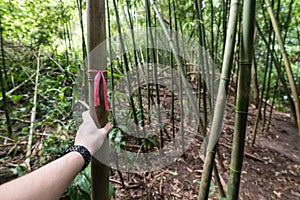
{"x": 148, "y": 24}
{"x": 220, "y": 102}
{"x": 260, "y": 104}
{"x": 83, "y": 46}
{"x": 242, "y": 98}
{"x": 201, "y": 54}
{"x": 219, "y": 31}
{"x": 83, "y": 43}
{"x": 180, "y": 88}
{"x": 208, "y": 81}
{"x": 111, "y": 68}
{"x": 2, "y": 49}
{"x": 110, "y": 64}
{"x": 154, "y": 61}
{"x": 140, "y": 101}
{"x": 126, "y": 63}
{"x": 3, "y": 78}
{"x": 279, "y": 72}
{"x": 275, "y": 96}
{"x": 286, "y": 63}
{"x": 65, "y": 37}
{"x": 179, "y": 63}
{"x": 288, "y": 19}
{"x": 212, "y": 19}
{"x": 270, "y": 68}
{"x": 172, "y": 109}
{"x": 96, "y": 34}
{"x": 267, "y": 93}
{"x": 224, "y": 20}
{"x": 255, "y": 83}
{"x": 275, "y": 93}
{"x": 135, "y": 61}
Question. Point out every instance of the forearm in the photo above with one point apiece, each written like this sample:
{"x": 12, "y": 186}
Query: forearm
{"x": 48, "y": 182}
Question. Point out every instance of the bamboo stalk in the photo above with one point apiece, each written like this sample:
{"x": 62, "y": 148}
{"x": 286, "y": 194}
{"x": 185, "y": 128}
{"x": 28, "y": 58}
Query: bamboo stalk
{"x": 242, "y": 99}
{"x": 201, "y": 54}
{"x": 126, "y": 63}
{"x": 180, "y": 88}
{"x": 3, "y": 85}
{"x": 178, "y": 61}
{"x": 286, "y": 63}
{"x": 260, "y": 104}
{"x": 33, "y": 111}
{"x": 220, "y": 102}
{"x": 279, "y": 71}
{"x": 83, "y": 45}
{"x": 255, "y": 83}
{"x": 136, "y": 66}
{"x": 269, "y": 65}
{"x": 154, "y": 61}
{"x": 96, "y": 34}
{"x": 172, "y": 109}
{"x": 272, "y": 105}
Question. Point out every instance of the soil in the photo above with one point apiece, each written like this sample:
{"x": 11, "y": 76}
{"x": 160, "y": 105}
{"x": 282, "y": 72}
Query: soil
{"x": 271, "y": 168}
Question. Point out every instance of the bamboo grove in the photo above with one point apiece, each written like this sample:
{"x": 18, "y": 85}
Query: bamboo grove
{"x": 222, "y": 54}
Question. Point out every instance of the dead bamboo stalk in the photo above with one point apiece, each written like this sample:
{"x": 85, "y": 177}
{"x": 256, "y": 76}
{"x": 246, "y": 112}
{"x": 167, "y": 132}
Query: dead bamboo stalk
{"x": 18, "y": 86}
{"x": 33, "y": 111}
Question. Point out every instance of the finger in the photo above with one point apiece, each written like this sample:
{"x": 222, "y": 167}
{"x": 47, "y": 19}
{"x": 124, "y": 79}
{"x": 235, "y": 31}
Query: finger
{"x": 106, "y": 128}
{"x": 86, "y": 116}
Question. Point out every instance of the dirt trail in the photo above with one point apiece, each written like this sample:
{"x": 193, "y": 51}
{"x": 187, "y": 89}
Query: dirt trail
{"x": 271, "y": 169}
{"x": 278, "y": 176}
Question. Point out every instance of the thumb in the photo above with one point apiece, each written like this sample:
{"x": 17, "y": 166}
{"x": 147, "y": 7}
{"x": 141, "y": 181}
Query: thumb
{"x": 105, "y": 130}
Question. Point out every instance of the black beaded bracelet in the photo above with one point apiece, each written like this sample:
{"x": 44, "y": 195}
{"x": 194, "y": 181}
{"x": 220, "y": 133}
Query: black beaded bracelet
{"x": 83, "y": 151}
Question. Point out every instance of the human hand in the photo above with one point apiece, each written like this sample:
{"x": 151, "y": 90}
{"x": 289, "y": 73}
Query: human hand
{"x": 88, "y": 134}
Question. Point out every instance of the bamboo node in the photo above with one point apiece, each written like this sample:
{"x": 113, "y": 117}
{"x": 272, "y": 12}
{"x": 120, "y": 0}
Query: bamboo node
{"x": 241, "y": 112}
{"x": 236, "y": 171}
{"x": 225, "y": 78}
{"x": 246, "y": 62}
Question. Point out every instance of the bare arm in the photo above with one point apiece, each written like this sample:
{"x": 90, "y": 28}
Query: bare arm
{"x": 51, "y": 180}
{"x": 48, "y": 182}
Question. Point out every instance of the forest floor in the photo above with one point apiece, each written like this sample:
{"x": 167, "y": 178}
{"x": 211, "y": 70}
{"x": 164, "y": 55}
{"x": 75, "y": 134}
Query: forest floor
{"x": 271, "y": 168}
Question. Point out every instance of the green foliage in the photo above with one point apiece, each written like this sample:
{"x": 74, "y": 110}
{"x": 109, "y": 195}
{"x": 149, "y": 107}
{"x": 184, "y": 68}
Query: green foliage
{"x": 116, "y": 137}
{"x": 80, "y": 187}
{"x": 35, "y": 22}
{"x": 112, "y": 191}
{"x": 21, "y": 169}
{"x": 40, "y": 30}
{"x": 288, "y": 19}
{"x": 48, "y": 31}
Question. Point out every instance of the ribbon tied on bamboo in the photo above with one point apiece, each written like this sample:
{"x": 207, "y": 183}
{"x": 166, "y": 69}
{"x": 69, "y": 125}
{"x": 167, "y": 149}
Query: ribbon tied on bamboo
{"x": 97, "y": 80}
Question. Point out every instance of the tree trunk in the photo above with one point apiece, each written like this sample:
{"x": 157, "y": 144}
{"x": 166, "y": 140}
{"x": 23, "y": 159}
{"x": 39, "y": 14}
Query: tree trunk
{"x": 95, "y": 35}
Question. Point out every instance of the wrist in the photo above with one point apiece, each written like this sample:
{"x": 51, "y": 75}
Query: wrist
{"x": 79, "y": 151}
{"x": 77, "y": 157}
{"x": 84, "y": 145}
